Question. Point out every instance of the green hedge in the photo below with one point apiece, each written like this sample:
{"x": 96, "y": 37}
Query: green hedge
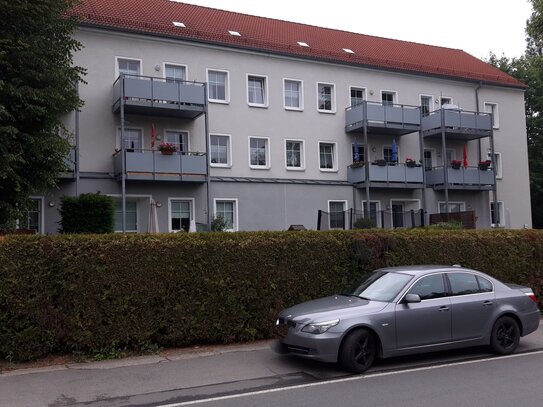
{"x": 87, "y": 213}
{"x": 83, "y": 293}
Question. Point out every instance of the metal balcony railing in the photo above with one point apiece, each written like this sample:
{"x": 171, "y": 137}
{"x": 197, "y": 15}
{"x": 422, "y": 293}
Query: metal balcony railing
{"x": 461, "y": 178}
{"x": 383, "y": 118}
{"x": 394, "y": 176}
{"x": 457, "y": 123}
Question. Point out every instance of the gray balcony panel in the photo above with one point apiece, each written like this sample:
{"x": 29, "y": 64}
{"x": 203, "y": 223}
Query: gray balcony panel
{"x": 389, "y": 176}
{"x": 457, "y": 124}
{"x": 152, "y": 165}
{"x": 462, "y": 178}
{"x": 383, "y": 119}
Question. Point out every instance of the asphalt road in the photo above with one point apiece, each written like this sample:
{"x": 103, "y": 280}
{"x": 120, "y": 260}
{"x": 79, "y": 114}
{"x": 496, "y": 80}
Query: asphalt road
{"x": 253, "y": 375}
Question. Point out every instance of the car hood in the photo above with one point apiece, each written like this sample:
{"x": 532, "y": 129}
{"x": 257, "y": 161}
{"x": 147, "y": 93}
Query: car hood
{"x": 330, "y": 304}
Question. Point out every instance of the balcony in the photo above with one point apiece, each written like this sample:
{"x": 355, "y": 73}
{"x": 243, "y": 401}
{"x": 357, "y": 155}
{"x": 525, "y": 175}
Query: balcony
{"x": 387, "y": 176}
{"x": 457, "y": 124}
{"x": 470, "y": 178}
{"x": 145, "y": 95}
{"x": 151, "y": 165}
{"x": 394, "y": 120}
{"x": 69, "y": 166}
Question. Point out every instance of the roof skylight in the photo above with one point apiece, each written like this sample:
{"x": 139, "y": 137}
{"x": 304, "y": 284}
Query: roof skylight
{"x": 235, "y": 33}
{"x": 303, "y": 44}
{"x": 178, "y": 24}
{"x": 348, "y": 50}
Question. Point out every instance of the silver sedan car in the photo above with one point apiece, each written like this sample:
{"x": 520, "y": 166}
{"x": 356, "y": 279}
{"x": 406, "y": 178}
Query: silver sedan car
{"x": 413, "y": 309}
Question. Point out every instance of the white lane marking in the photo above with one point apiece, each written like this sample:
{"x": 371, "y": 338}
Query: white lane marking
{"x": 347, "y": 379}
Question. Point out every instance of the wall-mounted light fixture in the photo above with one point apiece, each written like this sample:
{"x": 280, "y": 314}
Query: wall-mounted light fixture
{"x": 51, "y": 204}
{"x": 373, "y": 149}
{"x": 158, "y": 204}
{"x": 157, "y": 67}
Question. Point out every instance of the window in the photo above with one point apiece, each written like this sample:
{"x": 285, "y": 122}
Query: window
{"x": 227, "y": 209}
{"x": 463, "y": 283}
{"x": 258, "y": 152}
{"x": 429, "y": 287}
{"x": 218, "y": 86}
{"x": 292, "y": 90}
{"x": 374, "y": 208}
{"x": 327, "y": 159}
{"x": 326, "y": 98}
{"x": 387, "y": 154}
{"x": 493, "y": 108}
{"x": 294, "y": 150}
{"x": 388, "y": 98}
{"x": 446, "y": 101}
{"x": 359, "y": 154}
{"x": 358, "y": 95}
{"x": 500, "y": 221}
{"x": 219, "y": 150}
{"x": 256, "y": 91}
{"x": 453, "y": 207}
{"x": 175, "y": 72}
{"x": 133, "y": 139}
{"x": 485, "y": 286}
{"x": 179, "y": 139}
{"x": 128, "y": 66}
{"x": 131, "y": 216}
{"x": 497, "y": 163}
{"x": 336, "y": 210}
{"x": 180, "y": 214}
{"x": 428, "y": 160}
{"x": 33, "y": 219}
{"x": 426, "y": 103}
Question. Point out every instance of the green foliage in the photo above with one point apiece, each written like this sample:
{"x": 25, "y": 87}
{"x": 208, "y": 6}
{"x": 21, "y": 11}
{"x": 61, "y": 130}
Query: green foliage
{"x": 219, "y": 224}
{"x": 364, "y": 223}
{"x": 36, "y": 90}
{"x": 87, "y": 213}
{"x": 108, "y": 295}
{"x": 451, "y": 225}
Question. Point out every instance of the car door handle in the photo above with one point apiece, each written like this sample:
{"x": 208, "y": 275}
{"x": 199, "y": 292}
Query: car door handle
{"x": 487, "y": 303}
{"x": 443, "y": 308}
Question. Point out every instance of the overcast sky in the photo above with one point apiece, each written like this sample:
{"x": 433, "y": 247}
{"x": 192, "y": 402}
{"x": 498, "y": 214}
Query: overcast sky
{"x": 476, "y": 26}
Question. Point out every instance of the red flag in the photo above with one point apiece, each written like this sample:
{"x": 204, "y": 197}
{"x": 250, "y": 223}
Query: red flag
{"x": 153, "y": 135}
{"x": 465, "y": 157}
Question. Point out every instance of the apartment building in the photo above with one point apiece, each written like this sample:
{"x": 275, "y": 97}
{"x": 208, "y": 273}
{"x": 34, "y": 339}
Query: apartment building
{"x": 275, "y": 121}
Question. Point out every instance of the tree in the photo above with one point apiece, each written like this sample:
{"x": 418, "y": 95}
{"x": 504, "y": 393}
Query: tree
{"x": 36, "y": 89}
{"x": 529, "y": 69}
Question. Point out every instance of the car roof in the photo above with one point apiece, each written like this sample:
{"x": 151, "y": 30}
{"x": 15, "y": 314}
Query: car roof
{"x": 419, "y": 270}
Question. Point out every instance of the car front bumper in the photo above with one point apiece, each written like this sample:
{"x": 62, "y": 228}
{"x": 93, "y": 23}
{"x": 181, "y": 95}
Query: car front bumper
{"x": 322, "y": 347}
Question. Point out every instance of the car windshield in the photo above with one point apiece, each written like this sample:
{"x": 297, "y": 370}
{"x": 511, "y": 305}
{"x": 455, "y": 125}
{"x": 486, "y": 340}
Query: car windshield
{"x": 379, "y": 285}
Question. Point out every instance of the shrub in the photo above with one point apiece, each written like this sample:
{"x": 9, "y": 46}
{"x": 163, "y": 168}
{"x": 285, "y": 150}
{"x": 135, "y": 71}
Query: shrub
{"x": 450, "y": 225}
{"x": 87, "y": 213}
{"x": 218, "y": 224}
{"x": 364, "y": 223}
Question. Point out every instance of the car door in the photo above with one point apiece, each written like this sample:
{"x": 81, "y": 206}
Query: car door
{"x": 472, "y": 305}
{"x": 427, "y": 322}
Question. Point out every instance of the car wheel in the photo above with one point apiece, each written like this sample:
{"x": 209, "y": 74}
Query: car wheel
{"x": 505, "y": 336}
{"x": 358, "y": 351}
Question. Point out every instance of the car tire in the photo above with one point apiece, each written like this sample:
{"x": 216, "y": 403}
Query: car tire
{"x": 505, "y": 336}
{"x": 358, "y": 351}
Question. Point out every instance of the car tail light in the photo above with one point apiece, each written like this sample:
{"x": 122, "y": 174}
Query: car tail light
{"x": 532, "y": 297}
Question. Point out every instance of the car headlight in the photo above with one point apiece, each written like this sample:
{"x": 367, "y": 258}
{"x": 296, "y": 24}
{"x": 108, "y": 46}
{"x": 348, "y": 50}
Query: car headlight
{"x": 320, "y": 327}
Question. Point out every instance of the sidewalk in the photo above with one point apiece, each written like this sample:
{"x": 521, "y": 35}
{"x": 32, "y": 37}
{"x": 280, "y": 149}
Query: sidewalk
{"x": 189, "y": 372}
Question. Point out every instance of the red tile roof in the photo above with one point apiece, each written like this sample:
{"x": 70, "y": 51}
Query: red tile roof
{"x": 209, "y": 25}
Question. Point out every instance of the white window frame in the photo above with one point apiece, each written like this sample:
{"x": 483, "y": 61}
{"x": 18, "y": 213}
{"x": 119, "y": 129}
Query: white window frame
{"x": 345, "y": 206}
{"x": 501, "y": 208}
{"x": 264, "y": 90}
{"x": 177, "y": 131}
{"x": 377, "y": 208}
{"x": 433, "y": 158}
{"x": 175, "y": 64}
{"x": 332, "y": 98}
{"x": 364, "y": 90}
{"x": 41, "y": 225}
{"x": 226, "y": 90}
{"x": 498, "y": 160}
{"x": 137, "y": 198}
{"x": 192, "y": 207}
{"x": 390, "y": 147}
{"x": 462, "y": 205}
{"x": 301, "y": 94}
{"x": 142, "y": 137}
{"x": 395, "y": 96}
{"x": 431, "y": 107}
{"x": 229, "y": 151}
{"x": 117, "y": 58}
{"x": 404, "y": 202}
{"x": 451, "y": 100}
{"x": 268, "y": 154}
{"x": 334, "y": 157}
{"x": 235, "y": 222}
{"x": 495, "y": 115}
{"x": 302, "y": 155}
{"x": 361, "y": 146}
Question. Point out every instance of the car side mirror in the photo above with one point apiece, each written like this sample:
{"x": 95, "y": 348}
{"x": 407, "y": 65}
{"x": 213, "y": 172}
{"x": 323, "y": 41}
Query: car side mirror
{"x": 411, "y": 298}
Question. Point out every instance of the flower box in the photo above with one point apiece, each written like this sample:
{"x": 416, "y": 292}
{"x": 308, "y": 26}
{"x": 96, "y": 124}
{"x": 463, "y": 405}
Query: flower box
{"x": 167, "y": 149}
{"x": 456, "y": 164}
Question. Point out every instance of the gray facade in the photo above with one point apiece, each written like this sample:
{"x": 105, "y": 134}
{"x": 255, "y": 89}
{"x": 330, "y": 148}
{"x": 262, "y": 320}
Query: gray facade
{"x": 279, "y": 140}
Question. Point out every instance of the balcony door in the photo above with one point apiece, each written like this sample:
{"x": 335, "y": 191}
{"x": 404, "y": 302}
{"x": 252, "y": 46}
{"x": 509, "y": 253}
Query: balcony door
{"x": 180, "y": 139}
{"x": 397, "y": 215}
